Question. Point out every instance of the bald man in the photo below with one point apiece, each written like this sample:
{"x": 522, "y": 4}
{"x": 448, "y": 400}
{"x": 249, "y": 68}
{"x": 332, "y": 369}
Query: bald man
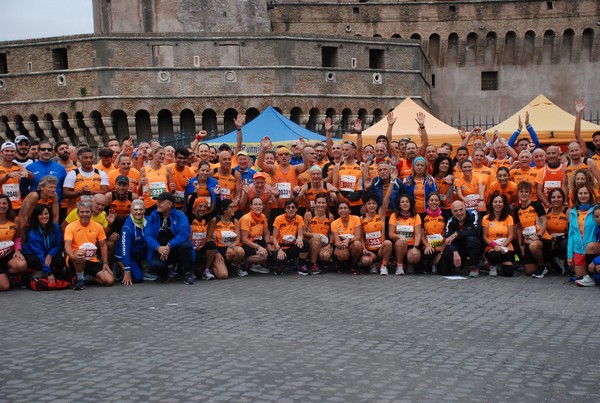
{"x": 463, "y": 241}
{"x": 550, "y": 176}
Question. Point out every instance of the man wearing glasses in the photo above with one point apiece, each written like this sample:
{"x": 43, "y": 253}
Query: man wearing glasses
{"x": 43, "y": 167}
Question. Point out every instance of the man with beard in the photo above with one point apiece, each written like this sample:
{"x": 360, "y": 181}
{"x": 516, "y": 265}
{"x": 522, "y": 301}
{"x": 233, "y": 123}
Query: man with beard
{"x": 106, "y": 160}
{"x": 11, "y": 174}
{"x": 550, "y": 176}
{"x": 63, "y": 152}
{"x": 411, "y": 150}
{"x": 124, "y": 168}
{"x": 45, "y": 166}
{"x": 23, "y": 144}
{"x": 349, "y": 177}
{"x": 84, "y": 182}
{"x": 578, "y": 162}
{"x": 320, "y": 156}
{"x": 334, "y": 151}
{"x": 34, "y": 150}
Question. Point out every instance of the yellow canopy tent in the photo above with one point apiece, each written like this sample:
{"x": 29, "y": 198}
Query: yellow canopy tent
{"x": 552, "y": 124}
{"x": 406, "y": 126}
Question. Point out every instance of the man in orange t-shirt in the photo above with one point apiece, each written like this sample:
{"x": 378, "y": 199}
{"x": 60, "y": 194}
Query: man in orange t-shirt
{"x": 81, "y": 238}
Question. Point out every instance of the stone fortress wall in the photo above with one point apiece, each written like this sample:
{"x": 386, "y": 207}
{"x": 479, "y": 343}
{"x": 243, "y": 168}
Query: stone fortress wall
{"x": 155, "y": 68}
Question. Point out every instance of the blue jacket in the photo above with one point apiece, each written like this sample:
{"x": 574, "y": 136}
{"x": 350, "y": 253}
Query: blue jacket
{"x": 399, "y": 188}
{"x": 132, "y": 245}
{"x": 179, "y": 226}
{"x": 210, "y": 184}
{"x": 39, "y": 170}
{"x": 429, "y": 182}
{"x": 577, "y": 243}
{"x": 532, "y": 134}
{"x": 42, "y": 245}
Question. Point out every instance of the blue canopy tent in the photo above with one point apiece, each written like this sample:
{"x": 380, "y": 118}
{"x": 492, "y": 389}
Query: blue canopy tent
{"x": 269, "y": 123}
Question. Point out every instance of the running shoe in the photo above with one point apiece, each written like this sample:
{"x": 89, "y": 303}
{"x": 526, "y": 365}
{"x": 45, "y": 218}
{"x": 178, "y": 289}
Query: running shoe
{"x": 493, "y": 271}
{"x": 383, "y": 271}
{"x": 315, "y": 269}
{"x": 188, "y": 279}
{"x": 399, "y": 270}
{"x": 474, "y": 273}
{"x": 540, "y": 273}
{"x": 256, "y": 268}
{"x": 79, "y": 285}
{"x": 241, "y": 272}
{"x": 303, "y": 270}
{"x": 207, "y": 274}
{"x": 373, "y": 269}
{"x": 585, "y": 281}
{"x": 150, "y": 277}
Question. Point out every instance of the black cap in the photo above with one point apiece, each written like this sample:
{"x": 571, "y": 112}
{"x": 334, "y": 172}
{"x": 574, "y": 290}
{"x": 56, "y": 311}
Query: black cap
{"x": 122, "y": 178}
{"x": 165, "y": 196}
{"x": 224, "y": 146}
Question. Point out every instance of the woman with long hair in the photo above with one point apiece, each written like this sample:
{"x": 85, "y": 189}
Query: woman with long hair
{"x": 347, "y": 238}
{"x": 224, "y": 231}
{"x": 155, "y": 178}
{"x": 504, "y": 186}
{"x": 582, "y": 231}
{"x": 469, "y": 188}
{"x": 434, "y": 221}
{"x": 419, "y": 184}
{"x": 498, "y": 231}
{"x": 11, "y": 259}
{"x": 43, "y": 248}
{"x": 317, "y": 223}
{"x": 255, "y": 237}
{"x": 443, "y": 174}
{"x": 377, "y": 247}
{"x": 558, "y": 227}
{"x": 404, "y": 230}
{"x": 288, "y": 239}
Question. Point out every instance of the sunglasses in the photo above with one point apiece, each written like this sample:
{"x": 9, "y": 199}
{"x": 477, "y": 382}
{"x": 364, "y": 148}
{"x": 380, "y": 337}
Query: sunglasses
{"x": 46, "y": 149}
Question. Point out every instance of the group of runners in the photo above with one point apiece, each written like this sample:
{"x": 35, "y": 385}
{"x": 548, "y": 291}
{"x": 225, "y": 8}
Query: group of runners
{"x": 398, "y": 207}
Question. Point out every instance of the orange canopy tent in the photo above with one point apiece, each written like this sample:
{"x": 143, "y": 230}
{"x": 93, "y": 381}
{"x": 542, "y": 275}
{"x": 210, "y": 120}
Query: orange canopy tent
{"x": 552, "y": 124}
{"x": 406, "y": 126}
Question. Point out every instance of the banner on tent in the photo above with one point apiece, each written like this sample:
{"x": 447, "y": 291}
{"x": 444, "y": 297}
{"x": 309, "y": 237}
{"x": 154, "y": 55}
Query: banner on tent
{"x": 254, "y": 148}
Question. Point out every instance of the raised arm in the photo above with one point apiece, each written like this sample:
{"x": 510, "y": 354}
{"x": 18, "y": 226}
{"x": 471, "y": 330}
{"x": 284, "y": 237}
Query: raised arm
{"x": 265, "y": 144}
{"x": 579, "y": 107}
{"x": 531, "y": 131}
{"x": 328, "y": 135}
{"x": 391, "y": 119}
{"x": 239, "y": 122}
{"x": 423, "y": 133}
{"x": 359, "y": 140}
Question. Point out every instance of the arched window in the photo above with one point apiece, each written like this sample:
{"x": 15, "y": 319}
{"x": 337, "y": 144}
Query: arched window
{"x": 489, "y": 57}
{"x": 251, "y": 113}
{"x": 452, "y": 54}
{"x": 209, "y": 122}
{"x": 471, "y": 50}
{"x": 548, "y": 47}
{"x": 434, "y": 49}
{"x": 143, "y": 128}
{"x": 587, "y": 42}
{"x": 566, "y": 49}
{"x": 295, "y": 115}
{"x": 510, "y": 47}
{"x": 528, "y": 48}
{"x": 228, "y": 117}
{"x": 187, "y": 123}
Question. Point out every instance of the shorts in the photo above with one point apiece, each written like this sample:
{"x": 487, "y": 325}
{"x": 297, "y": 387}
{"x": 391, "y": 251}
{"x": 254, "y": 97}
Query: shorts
{"x": 91, "y": 268}
{"x": 4, "y": 262}
{"x": 546, "y": 251}
{"x": 250, "y": 251}
{"x": 579, "y": 260}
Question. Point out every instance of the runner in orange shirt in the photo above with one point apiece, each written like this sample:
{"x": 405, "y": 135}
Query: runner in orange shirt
{"x": 12, "y": 260}
{"x": 347, "y": 238}
{"x": 182, "y": 174}
{"x": 377, "y": 248}
{"x": 288, "y": 240}
{"x": 227, "y": 240}
{"x": 81, "y": 240}
{"x": 432, "y": 240}
{"x": 255, "y": 237}
{"x": 469, "y": 188}
{"x": 498, "y": 231}
{"x": 503, "y": 185}
{"x": 404, "y": 231}
{"x": 558, "y": 228}
{"x": 317, "y": 223}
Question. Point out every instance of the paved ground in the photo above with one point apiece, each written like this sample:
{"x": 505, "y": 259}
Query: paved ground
{"x": 321, "y": 338}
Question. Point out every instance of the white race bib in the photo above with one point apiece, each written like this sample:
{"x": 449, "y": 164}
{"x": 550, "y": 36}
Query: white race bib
{"x": 225, "y": 193}
{"x": 228, "y": 237}
{"x": 435, "y": 240}
{"x": 6, "y": 248}
{"x": 288, "y": 240}
{"x": 285, "y": 190}
{"x": 405, "y": 230}
{"x": 89, "y": 249}
{"x": 198, "y": 239}
{"x": 500, "y": 241}
{"x": 373, "y": 239}
{"x": 157, "y": 188}
{"x": 12, "y": 191}
{"x": 324, "y": 240}
{"x": 472, "y": 200}
{"x": 551, "y": 184}
{"x": 179, "y": 196}
{"x": 347, "y": 183}
{"x": 346, "y": 236}
{"x": 529, "y": 231}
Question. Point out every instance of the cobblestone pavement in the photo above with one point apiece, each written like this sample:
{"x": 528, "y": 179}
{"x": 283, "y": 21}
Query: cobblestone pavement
{"x": 326, "y": 338}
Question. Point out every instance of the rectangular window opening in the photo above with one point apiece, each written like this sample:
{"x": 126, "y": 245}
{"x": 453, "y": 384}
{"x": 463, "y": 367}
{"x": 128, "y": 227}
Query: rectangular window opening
{"x": 3, "y": 64}
{"x": 549, "y": 5}
{"x": 329, "y": 56}
{"x": 433, "y": 81}
{"x": 452, "y": 9}
{"x": 489, "y": 80}
{"x": 60, "y": 60}
{"x": 376, "y": 60}
{"x": 355, "y": 10}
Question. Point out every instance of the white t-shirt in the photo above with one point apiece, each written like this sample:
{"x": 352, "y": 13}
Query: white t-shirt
{"x": 70, "y": 179}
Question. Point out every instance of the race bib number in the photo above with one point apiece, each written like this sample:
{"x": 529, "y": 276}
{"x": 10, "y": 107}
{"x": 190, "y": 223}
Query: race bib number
{"x": 472, "y": 200}
{"x": 89, "y": 250}
{"x": 346, "y": 236}
{"x": 285, "y": 190}
{"x": 157, "y": 188}
{"x": 288, "y": 239}
{"x": 373, "y": 239}
{"x": 435, "y": 240}
{"x": 551, "y": 184}
{"x": 347, "y": 183}
{"x": 179, "y": 196}
{"x": 12, "y": 191}
{"x": 198, "y": 239}
{"x": 6, "y": 248}
{"x": 500, "y": 241}
{"x": 529, "y": 231}
{"x": 228, "y": 237}
{"x": 86, "y": 198}
{"x": 225, "y": 193}
{"x": 324, "y": 240}
{"x": 405, "y": 230}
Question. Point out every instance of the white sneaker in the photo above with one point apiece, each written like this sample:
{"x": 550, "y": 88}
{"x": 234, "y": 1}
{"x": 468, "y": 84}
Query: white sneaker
{"x": 493, "y": 271}
{"x": 241, "y": 272}
{"x": 585, "y": 281}
{"x": 207, "y": 274}
{"x": 474, "y": 273}
{"x": 383, "y": 271}
{"x": 399, "y": 270}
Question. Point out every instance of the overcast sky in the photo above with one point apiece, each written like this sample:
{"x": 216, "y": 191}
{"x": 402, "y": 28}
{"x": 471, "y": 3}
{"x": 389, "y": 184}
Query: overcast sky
{"x": 26, "y": 19}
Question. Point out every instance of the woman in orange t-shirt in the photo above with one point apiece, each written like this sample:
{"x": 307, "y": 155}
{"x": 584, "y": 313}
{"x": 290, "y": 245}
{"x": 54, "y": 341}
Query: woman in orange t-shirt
{"x": 288, "y": 239}
{"x": 434, "y": 223}
{"x": 498, "y": 231}
{"x": 255, "y": 236}
{"x": 503, "y": 185}
{"x": 317, "y": 223}
{"x": 469, "y": 188}
{"x": 373, "y": 223}
{"x": 347, "y": 237}
{"x": 404, "y": 230}
{"x": 558, "y": 227}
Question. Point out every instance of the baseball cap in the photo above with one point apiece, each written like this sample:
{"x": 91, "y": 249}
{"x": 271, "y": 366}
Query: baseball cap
{"x": 283, "y": 150}
{"x": 260, "y": 175}
{"x": 20, "y": 138}
{"x": 8, "y": 144}
{"x": 165, "y": 196}
{"x": 243, "y": 153}
{"x": 122, "y": 178}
